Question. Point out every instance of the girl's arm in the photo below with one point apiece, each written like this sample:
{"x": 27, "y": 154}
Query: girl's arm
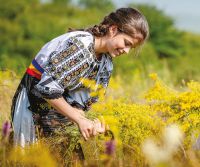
{"x": 86, "y": 126}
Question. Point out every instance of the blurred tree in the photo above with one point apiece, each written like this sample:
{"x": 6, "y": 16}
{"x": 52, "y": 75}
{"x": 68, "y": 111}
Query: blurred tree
{"x": 186, "y": 67}
{"x": 165, "y": 37}
{"x": 98, "y": 4}
{"x": 26, "y": 25}
{"x": 11, "y": 9}
{"x": 62, "y": 2}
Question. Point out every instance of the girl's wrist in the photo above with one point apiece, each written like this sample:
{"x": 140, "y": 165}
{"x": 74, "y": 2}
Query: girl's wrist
{"x": 79, "y": 118}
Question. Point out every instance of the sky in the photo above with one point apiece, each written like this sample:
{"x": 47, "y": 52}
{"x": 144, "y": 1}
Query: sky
{"x": 186, "y": 13}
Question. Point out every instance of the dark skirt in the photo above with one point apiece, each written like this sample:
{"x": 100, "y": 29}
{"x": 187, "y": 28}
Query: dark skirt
{"x": 46, "y": 119}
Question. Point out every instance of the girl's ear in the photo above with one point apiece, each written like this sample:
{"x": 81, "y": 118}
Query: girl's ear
{"x": 113, "y": 30}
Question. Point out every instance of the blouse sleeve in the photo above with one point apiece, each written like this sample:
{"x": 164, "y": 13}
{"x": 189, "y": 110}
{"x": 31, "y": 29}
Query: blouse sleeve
{"x": 65, "y": 66}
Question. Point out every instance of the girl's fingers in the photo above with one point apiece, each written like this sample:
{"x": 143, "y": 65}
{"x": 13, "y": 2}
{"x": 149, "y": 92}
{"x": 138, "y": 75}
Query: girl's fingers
{"x": 94, "y": 132}
{"x": 87, "y": 134}
{"x": 96, "y": 121}
{"x": 102, "y": 120}
{"x": 84, "y": 135}
{"x": 103, "y": 126}
{"x": 100, "y": 126}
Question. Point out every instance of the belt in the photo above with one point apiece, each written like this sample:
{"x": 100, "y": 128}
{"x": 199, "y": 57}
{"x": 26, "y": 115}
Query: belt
{"x": 35, "y": 70}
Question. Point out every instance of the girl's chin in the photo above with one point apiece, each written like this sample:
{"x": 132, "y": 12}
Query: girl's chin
{"x": 113, "y": 54}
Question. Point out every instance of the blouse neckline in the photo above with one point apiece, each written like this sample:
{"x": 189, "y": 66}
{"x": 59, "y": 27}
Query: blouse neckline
{"x": 102, "y": 54}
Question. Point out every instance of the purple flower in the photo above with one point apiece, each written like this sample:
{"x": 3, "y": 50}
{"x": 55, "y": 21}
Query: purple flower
{"x": 110, "y": 147}
{"x": 6, "y": 129}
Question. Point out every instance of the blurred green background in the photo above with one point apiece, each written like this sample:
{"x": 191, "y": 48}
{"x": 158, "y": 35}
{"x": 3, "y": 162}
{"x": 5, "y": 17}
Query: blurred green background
{"x": 26, "y": 25}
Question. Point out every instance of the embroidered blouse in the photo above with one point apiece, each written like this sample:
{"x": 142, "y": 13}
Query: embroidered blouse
{"x": 63, "y": 63}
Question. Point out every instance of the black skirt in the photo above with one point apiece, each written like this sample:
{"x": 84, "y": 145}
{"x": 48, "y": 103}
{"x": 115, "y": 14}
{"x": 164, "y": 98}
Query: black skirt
{"x": 46, "y": 119}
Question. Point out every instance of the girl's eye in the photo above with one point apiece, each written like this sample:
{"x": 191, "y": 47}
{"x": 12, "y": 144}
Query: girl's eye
{"x": 128, "y": 44}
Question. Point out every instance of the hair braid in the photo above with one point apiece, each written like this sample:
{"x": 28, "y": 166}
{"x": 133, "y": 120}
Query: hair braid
{"x": 99, "y": 30}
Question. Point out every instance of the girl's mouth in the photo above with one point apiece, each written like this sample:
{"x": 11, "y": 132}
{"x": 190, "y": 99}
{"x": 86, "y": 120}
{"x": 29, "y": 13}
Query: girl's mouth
{"x": 117, "y": 53}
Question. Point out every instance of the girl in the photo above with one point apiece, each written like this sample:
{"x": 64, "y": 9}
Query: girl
{"x": 52, "y": 94}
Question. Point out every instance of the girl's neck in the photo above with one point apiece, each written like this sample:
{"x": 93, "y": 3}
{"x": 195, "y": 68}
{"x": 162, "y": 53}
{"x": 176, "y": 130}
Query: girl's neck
{"x": 99, "y": 46}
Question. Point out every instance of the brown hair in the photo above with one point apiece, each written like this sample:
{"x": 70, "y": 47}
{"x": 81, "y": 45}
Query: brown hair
{"x": 128, "y": 20}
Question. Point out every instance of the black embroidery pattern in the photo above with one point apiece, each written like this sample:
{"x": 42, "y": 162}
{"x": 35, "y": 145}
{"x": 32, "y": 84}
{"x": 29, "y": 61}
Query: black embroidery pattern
{"x": 72, "y": 76}
{"x": 63, "y": 55}
{"x": 70, "y": 64}
{"x": 88, "y": 103}
{"x": 48, "y": 121}
{"x": 58, "y": 57}
{"x": 91, "y": 48}
{"x": 104, "y": 78}
{"x": 93, "y": 73}
{"x": 46, "y": 92}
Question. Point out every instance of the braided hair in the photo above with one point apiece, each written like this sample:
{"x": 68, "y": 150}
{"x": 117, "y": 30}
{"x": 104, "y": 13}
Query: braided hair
{"x": 128, "y": 20}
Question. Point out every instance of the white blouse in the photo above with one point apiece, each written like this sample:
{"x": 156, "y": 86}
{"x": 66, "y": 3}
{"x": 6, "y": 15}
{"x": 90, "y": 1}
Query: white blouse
{"x": 66, "y": 61}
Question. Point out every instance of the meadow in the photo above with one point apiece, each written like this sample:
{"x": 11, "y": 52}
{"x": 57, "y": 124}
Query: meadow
{"x": 159, "y": 127}
{"x": 151, "y": 107}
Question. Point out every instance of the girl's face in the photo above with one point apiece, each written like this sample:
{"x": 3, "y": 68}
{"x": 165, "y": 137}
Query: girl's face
{"x": 118, "y": 43}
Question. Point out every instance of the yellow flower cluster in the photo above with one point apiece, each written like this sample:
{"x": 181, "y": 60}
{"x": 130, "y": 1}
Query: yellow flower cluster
{"x": 132, "y": 122}
{"x": 35, "y": 155}
{"x": 181, "y": 107}
{"x": 95, "y": 89}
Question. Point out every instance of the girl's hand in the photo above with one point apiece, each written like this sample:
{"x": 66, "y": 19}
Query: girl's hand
{"x": 86, "y": 127}
{"x": 99, "y": 126}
